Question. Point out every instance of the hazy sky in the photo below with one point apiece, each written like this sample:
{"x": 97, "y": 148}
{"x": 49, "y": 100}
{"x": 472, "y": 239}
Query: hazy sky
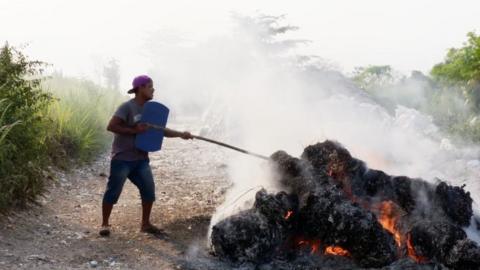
{"x": 76, "y": 36}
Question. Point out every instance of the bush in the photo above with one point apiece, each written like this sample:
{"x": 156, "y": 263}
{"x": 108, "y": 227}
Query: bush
{"x": 24, "y": 129}
{"x": 41, "y": 128}
{"x": 4, "y": 130}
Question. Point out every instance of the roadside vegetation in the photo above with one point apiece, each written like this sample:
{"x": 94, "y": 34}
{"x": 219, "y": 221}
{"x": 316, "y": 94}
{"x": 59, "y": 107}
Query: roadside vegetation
{"x": 45, "y": 122}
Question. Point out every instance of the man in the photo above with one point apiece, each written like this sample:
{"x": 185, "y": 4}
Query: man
{"x": 128, "y": 161}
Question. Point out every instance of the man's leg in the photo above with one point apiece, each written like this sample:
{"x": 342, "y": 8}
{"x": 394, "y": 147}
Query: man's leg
{"x": 106, "y": 211}
{"x": 142, "y": 177}
{"x": 146, "y": 210}
{"x": 118, "y": 174}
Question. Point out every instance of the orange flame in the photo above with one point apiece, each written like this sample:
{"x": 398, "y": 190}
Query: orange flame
{"x": 288, "y": 214}
{"x": 337, "y": 251}
{"x": 388, "y": 218}
{"x": 313, "y": 244}
{"x": 412, "y": 253}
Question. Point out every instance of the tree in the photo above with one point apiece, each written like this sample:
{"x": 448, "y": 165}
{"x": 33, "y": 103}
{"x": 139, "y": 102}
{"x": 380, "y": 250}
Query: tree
{"x": 372, "y": 78}
{"x": 461, "y": 68}
{"x": 111, "y": 72}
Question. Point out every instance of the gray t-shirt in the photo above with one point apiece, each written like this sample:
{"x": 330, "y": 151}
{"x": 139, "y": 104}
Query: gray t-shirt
{"x": 123, "y": 146}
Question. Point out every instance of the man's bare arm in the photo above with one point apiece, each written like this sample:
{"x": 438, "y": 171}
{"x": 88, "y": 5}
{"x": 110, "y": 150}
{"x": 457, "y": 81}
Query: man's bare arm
{"x": 117, "y": 125}
{"x": 170, "y": 133}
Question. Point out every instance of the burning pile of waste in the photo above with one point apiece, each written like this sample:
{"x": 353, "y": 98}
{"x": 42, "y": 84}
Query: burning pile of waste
{"x": 339, "y": 213}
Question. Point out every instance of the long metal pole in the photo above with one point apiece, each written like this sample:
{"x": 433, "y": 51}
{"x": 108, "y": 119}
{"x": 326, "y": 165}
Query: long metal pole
{"x": 217, "y": 143}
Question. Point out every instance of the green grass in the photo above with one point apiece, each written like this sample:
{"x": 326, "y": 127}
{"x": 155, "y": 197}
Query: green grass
{"x": 79, "y": 114}
{"x": 46, "y": 122}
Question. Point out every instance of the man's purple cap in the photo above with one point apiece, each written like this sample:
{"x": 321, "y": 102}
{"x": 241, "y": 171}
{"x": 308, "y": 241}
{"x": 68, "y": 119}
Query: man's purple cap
{"x": 139, "y": 81}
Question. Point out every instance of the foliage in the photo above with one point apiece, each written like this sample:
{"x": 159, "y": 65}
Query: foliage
{"x": 372, "y": 78}
{"x": 79, "y": 116}
{"x": 111, "y": 72}
{"x": 24, "y": 129}
{"x": 461, "y": 68}
{"x": 451, "y": 95}
{"x": 45, "y": 122}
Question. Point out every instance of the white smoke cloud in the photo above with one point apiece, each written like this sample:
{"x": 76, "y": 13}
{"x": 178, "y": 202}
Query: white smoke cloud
{"x": 253, "y": 92}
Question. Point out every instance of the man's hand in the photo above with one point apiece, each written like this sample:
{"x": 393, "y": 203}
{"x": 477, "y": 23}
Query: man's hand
{"x": 140, "y": 128}
{"x": 170, "y": 133}
{"x": 186, "y": 135}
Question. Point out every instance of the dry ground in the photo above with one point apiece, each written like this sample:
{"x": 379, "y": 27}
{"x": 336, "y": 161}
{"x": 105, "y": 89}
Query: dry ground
{"x": 62, "y": 232}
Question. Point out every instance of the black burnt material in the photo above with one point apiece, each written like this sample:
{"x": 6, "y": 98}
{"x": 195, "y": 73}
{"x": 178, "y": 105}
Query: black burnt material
{"x": 464, "y": 255}
{"x": 446, "y": 243}
{"x": 409, "y": 193}
{"x": 456, "y": 202}
{"x": 246, "y": 236}
{"x": 256, "y": 234}
{"x": 332, "y": 218}
{"x": 331, "y": 199}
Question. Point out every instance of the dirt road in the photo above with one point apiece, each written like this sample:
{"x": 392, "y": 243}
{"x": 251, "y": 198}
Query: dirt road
{"x": 62, "y": 232}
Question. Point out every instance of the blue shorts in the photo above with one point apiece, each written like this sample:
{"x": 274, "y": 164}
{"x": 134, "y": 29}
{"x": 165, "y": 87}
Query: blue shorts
{"x": 137, "y": 171}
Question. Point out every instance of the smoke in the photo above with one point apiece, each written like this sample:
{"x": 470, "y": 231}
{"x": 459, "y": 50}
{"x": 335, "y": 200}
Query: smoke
{"x": 251, "y": 89}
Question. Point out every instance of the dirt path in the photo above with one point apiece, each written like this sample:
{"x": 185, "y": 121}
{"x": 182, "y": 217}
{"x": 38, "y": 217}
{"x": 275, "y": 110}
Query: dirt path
{"x": 61, "y": 233}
